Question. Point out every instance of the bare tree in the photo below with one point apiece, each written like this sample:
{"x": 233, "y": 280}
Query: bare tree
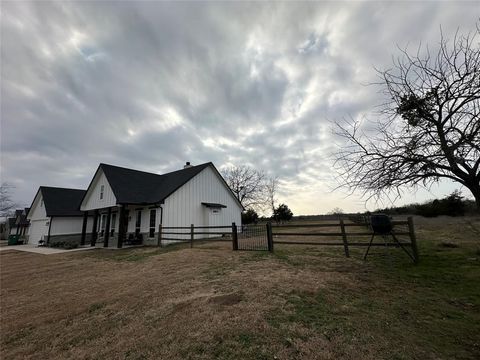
{"x": 336, "y": 211}
{"x": 248, "y": 185}
{"x": 271, "y": 189}
{"x": 7, "y": 206}
{"x": 429, "y": 127}
{"x": 252, "y": 187}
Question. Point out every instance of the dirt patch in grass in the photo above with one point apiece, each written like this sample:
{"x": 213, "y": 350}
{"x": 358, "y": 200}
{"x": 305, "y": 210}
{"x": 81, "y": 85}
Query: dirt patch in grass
{"x": 302, "y": 302}
{"x": 227, "y": 299}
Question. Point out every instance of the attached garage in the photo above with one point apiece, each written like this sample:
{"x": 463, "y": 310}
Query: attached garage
{"x": 38, "y": 231}
{"x": 55, "y": 215}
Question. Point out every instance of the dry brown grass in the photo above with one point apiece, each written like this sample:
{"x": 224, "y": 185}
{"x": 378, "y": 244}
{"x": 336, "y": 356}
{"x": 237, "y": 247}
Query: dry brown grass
{"x": 209, "y": 302}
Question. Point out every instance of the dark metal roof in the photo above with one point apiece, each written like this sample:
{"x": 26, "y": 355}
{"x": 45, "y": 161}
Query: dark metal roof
{"x": 213, "y": 205}
{"x": 62, "y": 201}
{"x": 21, "y": 217}
{"x": 139, "y": 187}
{"x": 23, "y": 220}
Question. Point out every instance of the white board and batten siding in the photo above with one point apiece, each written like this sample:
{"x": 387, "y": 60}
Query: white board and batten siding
{"x": 145, "y": 220}
{"x": 39, "y": 222}
{"x": 69, "y": 225}
{"x": 184, "y": 206}
{"x": 92, "y": 199}
{"x": 37, "y": 210}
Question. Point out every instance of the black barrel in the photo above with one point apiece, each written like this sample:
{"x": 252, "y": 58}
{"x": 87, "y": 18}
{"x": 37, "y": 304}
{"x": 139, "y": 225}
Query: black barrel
{"x": 381, "y": 224}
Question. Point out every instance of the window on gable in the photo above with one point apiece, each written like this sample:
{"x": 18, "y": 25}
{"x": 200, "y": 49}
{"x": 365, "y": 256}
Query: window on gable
{"x": 102, "y": 188}
{"x": 41, "y": 203}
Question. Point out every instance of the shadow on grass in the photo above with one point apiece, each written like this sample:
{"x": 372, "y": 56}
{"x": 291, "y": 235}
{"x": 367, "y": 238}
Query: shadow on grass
{"x": 132, "y": 254}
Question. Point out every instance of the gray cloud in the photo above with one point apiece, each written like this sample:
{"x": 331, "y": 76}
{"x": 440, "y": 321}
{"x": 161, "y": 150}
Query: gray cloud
{"x": 151, "y": 85}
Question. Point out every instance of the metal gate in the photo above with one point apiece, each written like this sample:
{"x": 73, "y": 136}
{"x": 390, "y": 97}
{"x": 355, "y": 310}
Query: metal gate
{"x": 254, "y": 237}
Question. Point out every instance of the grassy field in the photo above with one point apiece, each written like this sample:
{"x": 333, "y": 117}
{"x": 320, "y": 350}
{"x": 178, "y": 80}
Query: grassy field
{"x": 302, "y": 302}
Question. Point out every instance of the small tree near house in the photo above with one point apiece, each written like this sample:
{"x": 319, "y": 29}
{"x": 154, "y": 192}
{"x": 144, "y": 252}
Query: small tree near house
{"x": 249, "y": 217}
{"x": 282, "y": 213}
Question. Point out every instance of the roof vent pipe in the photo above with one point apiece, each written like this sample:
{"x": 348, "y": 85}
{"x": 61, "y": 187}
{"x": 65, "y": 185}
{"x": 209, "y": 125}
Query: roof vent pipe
{"x": 187, "y": 165}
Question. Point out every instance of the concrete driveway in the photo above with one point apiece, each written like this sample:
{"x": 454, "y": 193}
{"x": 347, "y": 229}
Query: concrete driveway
{"x": 42, "y": 250}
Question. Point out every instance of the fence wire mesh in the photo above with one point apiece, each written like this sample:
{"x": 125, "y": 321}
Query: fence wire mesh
{"x": 253, "y": 237}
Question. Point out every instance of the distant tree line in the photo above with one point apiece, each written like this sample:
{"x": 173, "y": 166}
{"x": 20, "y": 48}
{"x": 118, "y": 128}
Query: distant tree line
{"x": 281, "y": 214}
{"x": 452, "y": 205}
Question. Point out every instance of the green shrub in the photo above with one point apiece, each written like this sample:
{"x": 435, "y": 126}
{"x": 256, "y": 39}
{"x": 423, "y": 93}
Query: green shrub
{"x": 62, "y": 244}
{"x": 249, "y": 217}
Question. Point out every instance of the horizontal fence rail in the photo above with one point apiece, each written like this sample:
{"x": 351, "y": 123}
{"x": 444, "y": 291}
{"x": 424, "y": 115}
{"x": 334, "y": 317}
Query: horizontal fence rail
{"x": 194, "y": 234}
{"x": 400, "y": 228}
{"x": 264, "y": 236}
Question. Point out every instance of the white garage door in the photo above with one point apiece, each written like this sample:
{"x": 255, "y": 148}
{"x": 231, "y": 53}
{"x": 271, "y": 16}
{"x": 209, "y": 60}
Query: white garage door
{"x": 38, "y": 229}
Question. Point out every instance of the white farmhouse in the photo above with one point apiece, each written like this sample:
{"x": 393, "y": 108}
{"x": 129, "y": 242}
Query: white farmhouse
{"x": 130, "y": 204}
{"x": 55, "y": 215}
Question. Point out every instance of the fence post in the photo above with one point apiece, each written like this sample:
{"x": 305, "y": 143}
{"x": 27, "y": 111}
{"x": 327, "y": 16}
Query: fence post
{"x": 344, "y": 238}
{"x": 234, "y": 236}
{"x": 269, "y": 236}
{"x": 413, "y": 239}
{"x": 159, "y": 235}
{"x": 192, "y": 232}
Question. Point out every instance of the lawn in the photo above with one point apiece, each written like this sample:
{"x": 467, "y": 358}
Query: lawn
{"x": 302, "y": 302}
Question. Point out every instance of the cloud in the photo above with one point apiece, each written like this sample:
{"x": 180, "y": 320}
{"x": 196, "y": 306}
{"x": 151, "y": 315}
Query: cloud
{"x": 151, "y": 85}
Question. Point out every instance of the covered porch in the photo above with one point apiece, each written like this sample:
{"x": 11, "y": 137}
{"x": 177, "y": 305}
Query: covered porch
{"x": 124, "y": 224}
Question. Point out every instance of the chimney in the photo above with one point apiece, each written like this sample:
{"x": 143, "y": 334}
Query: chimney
{"x": 187, "y": 165}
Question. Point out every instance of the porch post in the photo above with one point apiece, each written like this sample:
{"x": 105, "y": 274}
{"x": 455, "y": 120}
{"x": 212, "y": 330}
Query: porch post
{"x": 49, "y": 228}
{"x": 107, "y": 228}
{"x": 122, "y": 229}
{"x": 84, "y": 228}
{"x": 93, "y": 239}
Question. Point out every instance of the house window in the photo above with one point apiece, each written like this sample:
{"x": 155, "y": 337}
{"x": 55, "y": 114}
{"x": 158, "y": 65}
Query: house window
{"x": 153, "y": 217}
{"x": 112, "y": 228}
{"x": 102, "y": 188}
{"x": 41, "y": 203}
{"x": 138, "y": 223}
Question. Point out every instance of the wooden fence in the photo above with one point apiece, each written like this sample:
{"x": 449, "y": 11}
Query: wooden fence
{"x": 188, "y": 233}
{"x": 283, "y": 234}
{"x": 346, "y": 239}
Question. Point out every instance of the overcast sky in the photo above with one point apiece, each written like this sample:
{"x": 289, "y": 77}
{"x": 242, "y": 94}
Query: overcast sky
{"x": 152, "y": 85}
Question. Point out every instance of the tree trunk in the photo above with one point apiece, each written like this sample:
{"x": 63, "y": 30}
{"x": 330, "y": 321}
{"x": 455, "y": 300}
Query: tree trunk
{"x": 475, "y": 189}
{"x": 477, "y": 200}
